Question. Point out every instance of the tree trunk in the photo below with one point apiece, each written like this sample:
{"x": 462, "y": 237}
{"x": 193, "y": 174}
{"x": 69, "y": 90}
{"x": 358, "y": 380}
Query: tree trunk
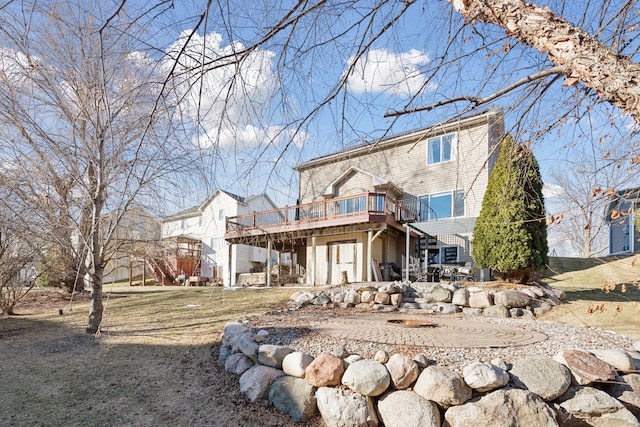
{"x": 613, "y": 76}
{"x": 95, "y": 313}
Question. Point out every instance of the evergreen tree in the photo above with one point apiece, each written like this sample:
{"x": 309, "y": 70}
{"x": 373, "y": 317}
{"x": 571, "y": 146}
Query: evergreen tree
{"x": 510, "y": 235}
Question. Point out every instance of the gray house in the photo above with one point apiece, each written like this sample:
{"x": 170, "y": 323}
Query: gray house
{"x": 623, "y": 234}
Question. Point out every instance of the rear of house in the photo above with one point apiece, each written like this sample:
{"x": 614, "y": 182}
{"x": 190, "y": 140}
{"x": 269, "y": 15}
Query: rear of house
{"x": 417, "y": 194}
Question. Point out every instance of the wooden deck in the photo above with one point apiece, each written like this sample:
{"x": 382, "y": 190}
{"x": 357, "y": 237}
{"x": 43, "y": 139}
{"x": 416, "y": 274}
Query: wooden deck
{"x": 295, "y": 220}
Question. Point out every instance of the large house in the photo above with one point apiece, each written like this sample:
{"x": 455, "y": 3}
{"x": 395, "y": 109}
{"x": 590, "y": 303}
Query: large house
{"x": 392, "y": 202}
{"x": 624, "y": 237}
{"x": 194, "y": 239}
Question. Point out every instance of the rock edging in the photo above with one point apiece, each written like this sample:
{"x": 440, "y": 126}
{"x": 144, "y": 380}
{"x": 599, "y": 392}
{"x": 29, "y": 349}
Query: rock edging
{"x": 346, "y": 389}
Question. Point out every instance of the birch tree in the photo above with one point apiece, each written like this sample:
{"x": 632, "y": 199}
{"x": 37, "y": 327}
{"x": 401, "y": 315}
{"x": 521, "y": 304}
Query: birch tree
{"x": 84, "y": 126}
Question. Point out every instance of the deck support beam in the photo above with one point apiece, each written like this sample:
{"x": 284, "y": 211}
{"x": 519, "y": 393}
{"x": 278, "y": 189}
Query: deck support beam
{"x": 269, "y": 263}
{"x": 313, "y": 260}
{"x": 369, "y": 253}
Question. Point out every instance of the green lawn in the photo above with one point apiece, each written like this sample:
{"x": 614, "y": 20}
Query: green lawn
{"x": 601, "y": 292}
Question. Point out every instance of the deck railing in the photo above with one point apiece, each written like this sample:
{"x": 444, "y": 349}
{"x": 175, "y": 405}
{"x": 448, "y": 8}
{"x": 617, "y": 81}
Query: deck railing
{"x": 327, "y": 209}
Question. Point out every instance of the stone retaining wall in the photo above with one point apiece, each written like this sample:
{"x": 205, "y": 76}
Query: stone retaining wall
{"x": 576, "y": 387}
{"x": 527, "y": 301}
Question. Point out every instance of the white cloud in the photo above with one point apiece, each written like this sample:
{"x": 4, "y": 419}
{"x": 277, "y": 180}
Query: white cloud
{"x": 381, "y": 70}
{"x": 228, "y": 103}
{"x": 550, "y": 191}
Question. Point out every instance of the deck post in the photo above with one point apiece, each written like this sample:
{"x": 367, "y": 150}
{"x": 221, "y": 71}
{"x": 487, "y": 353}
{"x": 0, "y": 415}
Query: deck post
{"x": 406, "y": 262}
{"x": 269, "y": 263}
{"x": 232, "y": 268}
{"x": 313, "y": 260}
{"x": 369, "y": 254}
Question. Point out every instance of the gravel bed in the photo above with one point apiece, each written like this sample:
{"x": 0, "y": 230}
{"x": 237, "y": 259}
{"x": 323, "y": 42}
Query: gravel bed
{"x": 294, "y": 328}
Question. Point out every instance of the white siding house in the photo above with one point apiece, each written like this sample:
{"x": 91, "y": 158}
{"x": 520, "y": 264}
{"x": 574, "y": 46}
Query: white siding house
{"x": 206, "y": 223}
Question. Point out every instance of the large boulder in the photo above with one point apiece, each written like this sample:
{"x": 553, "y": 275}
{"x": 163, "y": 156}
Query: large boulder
{"x": 256, "y": 381}
{"x": 248, "y": 346}
{"x": 483, "y": 377}
{"x": 481, "y": 299}
{"x": 295, "y": 363}
{"x": 619, "y": 359}
{"x": 460, "y": 297}
{"x": 294, "y": 396}
{"x": 585, "y": 367}
{"x": 325, "y": 370}
{"x": 504, "y": 407}
{"x": 272, "y": 355}
{"x": 403, "y": 371}
{"x": 445, "y": 387}
{"x": 594, "y": 407}
{"x": 367, "y": 377}
{"x": 512, "y": 298}
{"x": 440, "y": 294}
{"x": 352, "y": 297}
{"x": 626, "y": 388}
{"x": 405, "y": 408}
{"x": 499, "y": 311}
{"x": 342, "y": 408}
{"x": 238, "y": 363}
{"x": 542, "y": 376}
{"x": 382, "y": 298}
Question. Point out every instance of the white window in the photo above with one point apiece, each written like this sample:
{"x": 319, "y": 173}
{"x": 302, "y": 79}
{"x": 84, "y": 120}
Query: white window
{"x": 441, "y": 148}
{"x": 449, "y": 204}
{"x": 183, "y": 224}
{"x": 221, "y": 214}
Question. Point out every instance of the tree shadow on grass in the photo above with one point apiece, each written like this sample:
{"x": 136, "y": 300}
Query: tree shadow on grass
{"x": 630, "y": 295}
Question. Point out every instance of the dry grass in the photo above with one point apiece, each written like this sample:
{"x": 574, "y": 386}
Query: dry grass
{"x": 152, "y": 366}
{"x": 600, "y": 293}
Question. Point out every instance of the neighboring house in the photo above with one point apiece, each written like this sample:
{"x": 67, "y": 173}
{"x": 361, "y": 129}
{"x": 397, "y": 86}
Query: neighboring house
{"x": 135, "y": 234}
{"x": 198, "y": 234}
{"x": 624, "y": 237}
{"x": 354, "y": 204}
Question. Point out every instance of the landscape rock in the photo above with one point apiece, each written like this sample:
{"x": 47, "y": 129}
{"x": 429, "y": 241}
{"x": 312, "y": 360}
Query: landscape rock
{"x": 352, "y": 358}
{"x": 472, "y": 311}
{"x": 445, "y": 308}
{"x": 585, "y": 367}
{"x": 367, "y": 377}
{"x": 499, "y": 311}
{"x": 325, "y": 370}
{"x": 381, "y": 356}
{"x": 460, "y": 297}
{"x": 540, "y": 307}
{"x": 238, "y": 364}
{"x": 511, "y": 298}
{"x": 619, "y": 359}
{"x": 483, "y": 377}
{"x": 403, "y": 371}
{"x": 441, "y": 294}
{"x": 223, "y": 355}
{"x": 422, "y": 360}
{"x": 232, "y": 330}
{"x": 339, "y": 351}
{"x": 636, "y": 345}
{"x": 342, "y": 408}
{"x": 293, "y": 396}
{"x": 352, "y": 297}
{"x": 482, "y": 299}
{"x": 260, "y": 336}
{"x": 595, "y": 408}
{"x": 405, "y": 408}
{"x": 367, "y": 297}
{"x": 272, "y": 355}
{"x": 498, "y": 362}
{"x": 392, "y": 288}
{"x": 337, "y": 297}
{"x": 382, "y": 298}
{"x": 295, "y": 363}
{"x": 504, "y": 407}
{"x": 256, "y": 381}
{"x": 321, "y": 299}
{"x": 626, "y": 388}
{"x": 396, "y": 299}
{"x": 445, "y": 387}
{"x": 542, "y": 376}
{"x": 249, "y": 347}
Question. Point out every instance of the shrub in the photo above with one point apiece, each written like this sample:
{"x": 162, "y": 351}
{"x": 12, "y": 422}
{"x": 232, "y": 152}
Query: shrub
{"x": 510, "y": 235}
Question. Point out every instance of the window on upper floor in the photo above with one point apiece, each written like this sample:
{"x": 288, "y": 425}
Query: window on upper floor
{"x": 221, "y": 214}
{"x": 183, "y": 224}
{"x": 441, "y": 148}
{"x": 449, "y": 204}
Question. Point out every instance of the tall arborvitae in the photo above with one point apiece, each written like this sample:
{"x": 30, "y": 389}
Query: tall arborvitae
{"x": 510, "y": 236}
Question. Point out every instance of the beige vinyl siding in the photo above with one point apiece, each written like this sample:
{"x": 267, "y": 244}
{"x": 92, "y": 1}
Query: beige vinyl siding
{"x": 405, "y": 165}
{"x": 355, "y": 183}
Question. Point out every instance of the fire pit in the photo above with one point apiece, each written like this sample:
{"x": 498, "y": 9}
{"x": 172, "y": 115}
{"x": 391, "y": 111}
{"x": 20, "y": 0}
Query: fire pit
{"x": 412, "y": 323}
